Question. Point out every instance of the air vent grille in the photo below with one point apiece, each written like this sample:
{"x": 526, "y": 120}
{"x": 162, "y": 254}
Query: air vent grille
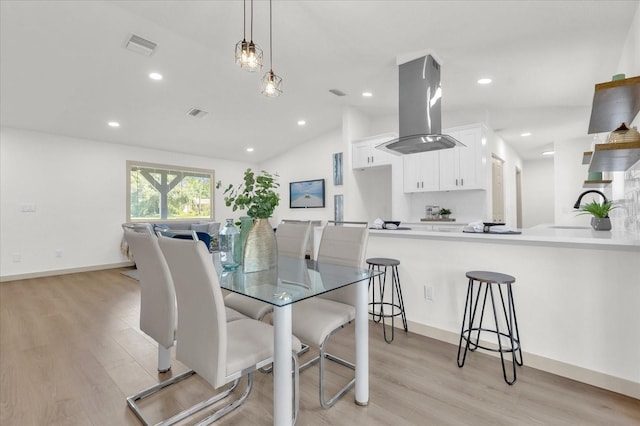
{"x": 141, "y": 45}
{"x": 198, "y": 113}
{"x": 337, "y": 92}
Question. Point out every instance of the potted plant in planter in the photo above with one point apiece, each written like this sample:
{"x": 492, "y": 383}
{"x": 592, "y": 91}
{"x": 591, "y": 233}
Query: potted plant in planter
{"x": 600, "y": 211}
{"x": 257, "y": 195}
{"x": 444, "y": 213}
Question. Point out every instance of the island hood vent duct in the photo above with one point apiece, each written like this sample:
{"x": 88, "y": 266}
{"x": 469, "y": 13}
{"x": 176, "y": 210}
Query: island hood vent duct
{"x": 419, "y": 110}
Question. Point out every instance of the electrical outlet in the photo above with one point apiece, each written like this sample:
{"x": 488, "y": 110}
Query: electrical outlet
{"x": 428, "y": 293}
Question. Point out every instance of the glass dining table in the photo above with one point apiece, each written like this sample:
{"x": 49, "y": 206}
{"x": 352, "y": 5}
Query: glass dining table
{"x": 292, "y": 281}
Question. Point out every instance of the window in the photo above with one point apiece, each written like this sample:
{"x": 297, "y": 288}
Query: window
{"x": 159, "y": 192}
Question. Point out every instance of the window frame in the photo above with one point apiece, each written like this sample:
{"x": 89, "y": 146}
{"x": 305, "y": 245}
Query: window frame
{"x": 130, "y": 164}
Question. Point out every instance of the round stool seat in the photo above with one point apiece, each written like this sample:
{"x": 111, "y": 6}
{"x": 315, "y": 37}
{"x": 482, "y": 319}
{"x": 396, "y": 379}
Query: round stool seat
{"x": 383, "y": 261}
{"x": 491, "y": 277}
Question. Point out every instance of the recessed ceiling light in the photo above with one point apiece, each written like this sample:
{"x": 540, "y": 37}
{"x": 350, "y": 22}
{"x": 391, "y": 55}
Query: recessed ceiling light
{"x": 301, "y": 122}
{"x": 367, "y": 94}
{"x": 249, "y": 149}
{"x": 113, "y": 124}
{"x": 525, "y": 134}
{"x": 484, "y": 81}
{"x": 548, "y": 153}
{"x": 155, "y": 76}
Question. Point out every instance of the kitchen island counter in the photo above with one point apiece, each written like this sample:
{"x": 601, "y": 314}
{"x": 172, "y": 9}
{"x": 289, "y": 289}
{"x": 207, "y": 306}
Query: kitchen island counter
{"x": 552, "y": 235}
{"x": 577, "y": 293}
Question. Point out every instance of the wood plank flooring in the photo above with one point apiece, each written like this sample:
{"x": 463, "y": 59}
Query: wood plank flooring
{"x": 71, "y": 352}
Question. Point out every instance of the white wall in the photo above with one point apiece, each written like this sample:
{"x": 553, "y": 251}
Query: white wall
{"x": 311, "y": 160}
{"x": 79, "y": 189}
{"x": 538, "y": 185}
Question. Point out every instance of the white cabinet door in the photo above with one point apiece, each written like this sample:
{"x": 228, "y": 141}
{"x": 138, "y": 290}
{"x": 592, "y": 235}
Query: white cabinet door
{"x": 461, "y": 167}
{"x": 361, "y": 155}
{"x": 421, "y": 172}
{"x": 450, "y": 166}
{"x": 365, "y": 154}
{"x": 470, "y": 159}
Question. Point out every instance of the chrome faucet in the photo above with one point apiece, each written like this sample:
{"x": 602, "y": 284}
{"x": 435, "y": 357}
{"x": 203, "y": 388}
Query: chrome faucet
{"x": 577, "y": 204}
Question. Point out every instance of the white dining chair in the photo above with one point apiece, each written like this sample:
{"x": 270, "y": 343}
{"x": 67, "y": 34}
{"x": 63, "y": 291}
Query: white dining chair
{"x": 158, "y": 313}
{"x": 220, "y": 352}
{"x": 292, "y": 241}
{"x": 315, "y": 320}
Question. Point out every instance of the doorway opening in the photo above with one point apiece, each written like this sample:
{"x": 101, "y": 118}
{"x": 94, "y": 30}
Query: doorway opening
{"x": 497, "y": 189}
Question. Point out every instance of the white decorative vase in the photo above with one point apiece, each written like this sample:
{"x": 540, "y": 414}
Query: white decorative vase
{"x": 260, "y": 249}
{"x": 601, "y": 223}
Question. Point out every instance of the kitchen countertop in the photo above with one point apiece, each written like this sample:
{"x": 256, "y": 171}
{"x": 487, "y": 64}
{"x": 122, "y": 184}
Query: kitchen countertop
{"x": 552, "y": 235}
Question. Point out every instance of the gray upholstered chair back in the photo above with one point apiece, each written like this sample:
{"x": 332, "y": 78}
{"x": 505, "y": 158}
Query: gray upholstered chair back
{"x": 157, "y": 294}
{"x": 343, "y": 245}
{"x": 292, "y": 239}
{"x": 202, "y": 320}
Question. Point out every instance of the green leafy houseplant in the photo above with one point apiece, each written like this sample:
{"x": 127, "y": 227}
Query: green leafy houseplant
{"x": 256, "y": 194}
{"x": 444, "y": 212}
{"x": 599, "y": 210}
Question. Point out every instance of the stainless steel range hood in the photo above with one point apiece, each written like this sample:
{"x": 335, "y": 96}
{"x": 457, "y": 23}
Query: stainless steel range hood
{"x": 419, "y": 110}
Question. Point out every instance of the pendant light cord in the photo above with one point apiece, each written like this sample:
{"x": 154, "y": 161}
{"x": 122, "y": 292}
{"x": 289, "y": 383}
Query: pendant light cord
{"x": 244, "y": 19}
{"x": 270, "y": 38}
{"x": 251, "y": 21}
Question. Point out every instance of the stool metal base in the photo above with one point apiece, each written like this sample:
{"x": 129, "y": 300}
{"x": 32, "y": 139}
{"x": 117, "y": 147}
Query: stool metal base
{"x": 511, "y": 334}
{"x": 380, "y": 310}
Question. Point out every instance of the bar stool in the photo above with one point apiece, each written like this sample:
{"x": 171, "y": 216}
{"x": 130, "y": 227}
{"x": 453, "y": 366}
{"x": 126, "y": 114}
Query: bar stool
{"x": 512, "y": 344}
{"x": 397, "y": 307}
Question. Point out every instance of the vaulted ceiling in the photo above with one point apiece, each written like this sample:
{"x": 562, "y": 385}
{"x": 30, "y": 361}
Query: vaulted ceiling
{"x": 65, "y": 70}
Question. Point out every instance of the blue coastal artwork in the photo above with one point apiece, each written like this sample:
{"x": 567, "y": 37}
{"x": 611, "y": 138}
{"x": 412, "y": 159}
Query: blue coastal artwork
{"x": 306, "y": 194}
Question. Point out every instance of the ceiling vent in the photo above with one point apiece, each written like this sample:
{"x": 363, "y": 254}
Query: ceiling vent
{"x": 337, "y": 92}
{"x": 141, "y": 45}
{"x": 195, "y": 112}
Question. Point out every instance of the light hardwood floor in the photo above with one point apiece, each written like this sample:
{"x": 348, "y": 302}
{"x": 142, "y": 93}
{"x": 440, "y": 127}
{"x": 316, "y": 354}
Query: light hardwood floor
{"x": 71, "y": 352}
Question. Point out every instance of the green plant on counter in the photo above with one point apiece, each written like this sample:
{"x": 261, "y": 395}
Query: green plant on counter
{"x": 256, "y": 194}
{"x": 444, "y": 212}
{"x": 600, "y": 210}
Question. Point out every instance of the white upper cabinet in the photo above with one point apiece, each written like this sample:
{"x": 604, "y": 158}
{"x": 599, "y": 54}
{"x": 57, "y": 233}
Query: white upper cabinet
{"x": 461, "y": 167}
{"x": 453, "y": 169}
{"x": 364, "y": 153}
{"x": 421, "y": 172}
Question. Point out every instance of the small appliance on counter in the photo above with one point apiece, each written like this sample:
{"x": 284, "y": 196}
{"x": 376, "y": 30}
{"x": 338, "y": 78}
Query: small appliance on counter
{"x": 433, "y": 214}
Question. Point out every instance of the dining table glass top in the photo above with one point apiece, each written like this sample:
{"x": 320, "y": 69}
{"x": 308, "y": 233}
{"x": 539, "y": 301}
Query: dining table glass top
{"x": 291, "y": 281}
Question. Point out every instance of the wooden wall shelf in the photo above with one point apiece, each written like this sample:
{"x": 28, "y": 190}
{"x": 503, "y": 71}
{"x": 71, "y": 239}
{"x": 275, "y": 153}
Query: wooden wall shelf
{"x": 614, "y": 157}
{"x": 596, "y": 183}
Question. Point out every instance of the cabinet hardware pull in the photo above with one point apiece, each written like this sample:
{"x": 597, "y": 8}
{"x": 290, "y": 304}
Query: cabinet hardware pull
{"x": 456, "y": 182}
{"x": 461, "y": 182}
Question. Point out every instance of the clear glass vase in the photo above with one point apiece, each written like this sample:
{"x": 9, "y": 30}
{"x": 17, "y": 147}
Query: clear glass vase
{"x": 229, "y": 242}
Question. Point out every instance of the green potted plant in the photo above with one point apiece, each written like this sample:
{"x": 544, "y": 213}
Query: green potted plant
{"x": 600, "y": 212}
{"x": 444, "y": 213}
{"x": 256, "y": 194}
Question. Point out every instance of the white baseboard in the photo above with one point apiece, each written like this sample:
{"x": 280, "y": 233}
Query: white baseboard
{"x": 580, "y": 374}
{"x": 64, "y": 271}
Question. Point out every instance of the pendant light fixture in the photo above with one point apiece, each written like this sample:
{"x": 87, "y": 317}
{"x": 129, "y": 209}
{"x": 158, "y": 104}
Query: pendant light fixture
{"x": 271, "y": 84}
{"x": 248, "y": 54}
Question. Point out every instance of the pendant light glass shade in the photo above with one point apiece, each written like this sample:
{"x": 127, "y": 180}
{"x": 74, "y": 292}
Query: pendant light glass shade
{"x": 271, "y": 85}
{"x": 248, "y": 55}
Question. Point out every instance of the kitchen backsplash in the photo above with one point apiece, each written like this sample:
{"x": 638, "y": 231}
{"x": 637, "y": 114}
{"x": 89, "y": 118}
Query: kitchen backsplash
{"x": 628, "y": 215}
{"x": 466, "y": 206}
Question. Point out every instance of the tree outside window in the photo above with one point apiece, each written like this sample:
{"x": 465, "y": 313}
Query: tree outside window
{"x": 162, "y": 192}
